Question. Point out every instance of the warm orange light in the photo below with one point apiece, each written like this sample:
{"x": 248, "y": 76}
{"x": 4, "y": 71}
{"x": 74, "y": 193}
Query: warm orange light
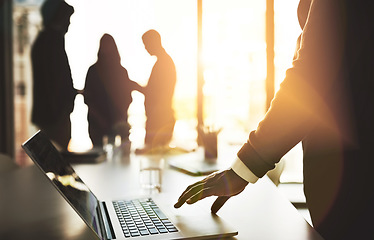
{"x": 234, "y": 56}
{"x": 80, "y": 140}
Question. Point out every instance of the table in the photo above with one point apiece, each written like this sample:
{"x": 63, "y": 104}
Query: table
{"x": 31, "y": 208}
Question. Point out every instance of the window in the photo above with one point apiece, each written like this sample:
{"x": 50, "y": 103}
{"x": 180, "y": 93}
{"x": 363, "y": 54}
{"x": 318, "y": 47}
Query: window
{"x": 234, "y": 60}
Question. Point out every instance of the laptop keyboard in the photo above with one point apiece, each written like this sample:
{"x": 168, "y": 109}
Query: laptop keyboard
{"x": 142, "y": 217}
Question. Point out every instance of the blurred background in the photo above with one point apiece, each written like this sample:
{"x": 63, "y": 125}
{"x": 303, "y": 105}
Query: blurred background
{"x": 232, "y": 60}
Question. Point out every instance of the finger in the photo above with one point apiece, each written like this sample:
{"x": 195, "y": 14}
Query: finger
{"x": 211, "y": 187}
{"x": 188, "y": 193}
{"x": 196, "y": 184}
{"x": 208, "y": 181}
{"x": 219, "y": 203}
{"x": 196, "y": 187}
{"x": 206, "y": 192}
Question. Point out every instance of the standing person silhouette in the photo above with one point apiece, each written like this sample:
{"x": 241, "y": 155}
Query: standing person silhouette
{"x": 107, "y": 94}
{"x": 158, "y": 96}
{"x": 53, "y": 91}
{"x": 325, "y": 101}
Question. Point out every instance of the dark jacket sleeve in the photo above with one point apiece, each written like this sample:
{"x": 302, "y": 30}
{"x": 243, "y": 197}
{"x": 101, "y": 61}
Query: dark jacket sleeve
{"x": 302, "y": 102}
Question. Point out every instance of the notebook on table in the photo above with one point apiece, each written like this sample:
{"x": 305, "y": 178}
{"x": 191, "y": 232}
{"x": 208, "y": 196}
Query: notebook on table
{"x": 139, "y": 218}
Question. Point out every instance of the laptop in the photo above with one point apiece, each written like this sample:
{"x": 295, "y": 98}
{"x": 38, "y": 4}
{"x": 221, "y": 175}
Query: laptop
{"x": 138, "y": 218}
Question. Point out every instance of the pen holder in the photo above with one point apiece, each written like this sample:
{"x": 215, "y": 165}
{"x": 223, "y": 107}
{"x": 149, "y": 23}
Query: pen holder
{"x": 210, "y": 142}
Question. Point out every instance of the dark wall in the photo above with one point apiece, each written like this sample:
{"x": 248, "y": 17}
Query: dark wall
{"x": 6, "y": 80}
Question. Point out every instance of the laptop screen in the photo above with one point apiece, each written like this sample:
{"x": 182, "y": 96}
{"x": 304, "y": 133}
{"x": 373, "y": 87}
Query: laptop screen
{"x": 59, "y": 171}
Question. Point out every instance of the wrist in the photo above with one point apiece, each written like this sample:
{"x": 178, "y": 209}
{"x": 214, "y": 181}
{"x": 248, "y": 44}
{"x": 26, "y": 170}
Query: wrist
{"x": 240, "y": 169}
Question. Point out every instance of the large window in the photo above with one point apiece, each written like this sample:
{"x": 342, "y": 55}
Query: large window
{"x": 234, "y": 61}
{"x": 287, "y": 30}
{"x": 233, "y": 56}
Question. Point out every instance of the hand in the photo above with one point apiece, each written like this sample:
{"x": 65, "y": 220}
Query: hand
{"x": 222, "y": 184}
{"x": 135, "y": 86}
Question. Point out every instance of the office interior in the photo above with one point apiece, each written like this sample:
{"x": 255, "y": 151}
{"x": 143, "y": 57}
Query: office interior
{"x": 230, "y": 58}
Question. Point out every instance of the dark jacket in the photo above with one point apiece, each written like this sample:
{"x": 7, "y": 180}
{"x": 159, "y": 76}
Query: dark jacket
{"x": 53, "y": 91}
{"x": 326, "y": 101}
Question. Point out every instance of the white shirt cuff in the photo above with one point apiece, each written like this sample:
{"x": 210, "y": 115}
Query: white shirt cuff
{"x": 243, "y": 171}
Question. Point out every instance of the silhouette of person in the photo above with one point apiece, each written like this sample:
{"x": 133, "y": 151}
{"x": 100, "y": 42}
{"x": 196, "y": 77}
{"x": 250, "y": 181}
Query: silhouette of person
{"x": 158, "y": 94}
{"x": 107, "y": 94}
{"x": 325, "y": 101}
{"x": 53, "y": 91}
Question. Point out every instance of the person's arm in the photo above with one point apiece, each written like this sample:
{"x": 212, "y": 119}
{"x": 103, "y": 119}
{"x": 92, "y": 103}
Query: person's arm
{"x": 302, "y": 100}
{"x": 135, "y": 86}
{"x": 242, "y": 171}
{"x": 63, "y": 92}
{"x": 298, "y": 106}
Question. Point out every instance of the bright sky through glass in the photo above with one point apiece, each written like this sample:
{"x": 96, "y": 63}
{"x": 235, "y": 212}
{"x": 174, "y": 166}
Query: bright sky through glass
{"x": 234, "y": 55}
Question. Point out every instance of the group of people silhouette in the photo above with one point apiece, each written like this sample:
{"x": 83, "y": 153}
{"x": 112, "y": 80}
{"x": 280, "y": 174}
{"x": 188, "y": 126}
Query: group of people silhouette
{"x": 107, "y": 91}
{"x": 325, "y": 102}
